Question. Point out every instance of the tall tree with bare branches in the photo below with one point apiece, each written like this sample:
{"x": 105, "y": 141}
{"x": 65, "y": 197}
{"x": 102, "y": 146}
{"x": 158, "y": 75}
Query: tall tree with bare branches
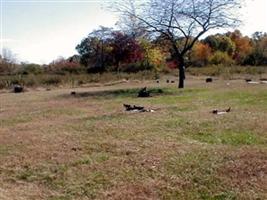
{"x": 182, "y": 22}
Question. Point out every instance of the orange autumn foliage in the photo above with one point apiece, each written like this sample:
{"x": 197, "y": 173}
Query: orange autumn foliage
{"x": 200, "y": 54}
{"x": 243, "y": 46}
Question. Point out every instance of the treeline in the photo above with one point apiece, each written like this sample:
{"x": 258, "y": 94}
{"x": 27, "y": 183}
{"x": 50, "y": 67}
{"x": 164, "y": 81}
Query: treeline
{"x": 108, "y": 50}
{"x": 60, "y": 66}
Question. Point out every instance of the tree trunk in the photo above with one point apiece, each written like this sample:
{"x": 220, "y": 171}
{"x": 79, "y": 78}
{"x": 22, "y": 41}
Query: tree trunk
{"x": 102, "y": 56}
{"x": 181, "y": 65}
{"x": 181, "y": 72}
{"x": 117, "y": 65}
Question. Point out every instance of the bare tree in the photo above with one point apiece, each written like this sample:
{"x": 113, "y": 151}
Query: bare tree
{"x": 182, "y": 22}
{"x": 7, "y": 62}
{"x": 129, "y": 24}
{"x": 8, "y": 56}
{"x": 103, "y": 34}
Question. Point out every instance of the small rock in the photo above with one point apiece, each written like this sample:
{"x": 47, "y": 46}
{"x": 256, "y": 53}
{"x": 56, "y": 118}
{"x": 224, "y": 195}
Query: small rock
{"x": 209, "y": 80}
{"x": 144, "y": 93}
{"x": 18, "y": 88}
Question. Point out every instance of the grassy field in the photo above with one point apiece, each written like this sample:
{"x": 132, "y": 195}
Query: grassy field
{"x": 57, "y": 146}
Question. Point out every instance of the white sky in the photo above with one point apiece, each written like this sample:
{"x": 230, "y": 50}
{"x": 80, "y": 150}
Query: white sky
{"x": 40, "y": 31}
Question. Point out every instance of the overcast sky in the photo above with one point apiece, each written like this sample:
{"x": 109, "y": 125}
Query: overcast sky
{"x": 41, "y": 30}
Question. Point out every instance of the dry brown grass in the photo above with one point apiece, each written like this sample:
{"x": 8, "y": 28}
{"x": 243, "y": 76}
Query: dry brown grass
{"x": 57, "y": 146}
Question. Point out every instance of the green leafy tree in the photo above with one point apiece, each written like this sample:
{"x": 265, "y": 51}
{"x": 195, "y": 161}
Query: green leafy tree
{"x": 258, "y": 55}
{"x": 95, "y": 50}
{"x": 221, "y": 43}
{"x": 220, "y": 57}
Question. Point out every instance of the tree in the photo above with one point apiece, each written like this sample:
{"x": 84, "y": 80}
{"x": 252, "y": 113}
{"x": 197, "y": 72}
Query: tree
{"x": 95, "y": 49}
{"x": 220, "y": 57}
{"x": 258, "y": 54}
{"x": 200, "y": 54}
{"x": 88, "y": 49}
{"x": 220, "y": 42}
{"x": 8, "y": 62}
{"x": 130, "y": 25}
{"x": 8, "y": 56}
{"x": 154, "y": 56}
{"x": 124, "y": 49}
{"x": 187, "y": 19}
{"x": 103, "y": 34}
{"x": 243, "y": 46}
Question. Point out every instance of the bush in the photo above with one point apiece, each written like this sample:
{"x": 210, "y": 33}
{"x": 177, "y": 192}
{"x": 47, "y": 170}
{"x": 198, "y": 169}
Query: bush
{"x": 51, "y": 80}
{"x": 8, "y": 68}
{"x": 64, "y": 66}
{"x": 135, "y": 67}
{"x": 226, "y": 71}
{"x": 220, "y": 58}
{"x": 31, "y": 69}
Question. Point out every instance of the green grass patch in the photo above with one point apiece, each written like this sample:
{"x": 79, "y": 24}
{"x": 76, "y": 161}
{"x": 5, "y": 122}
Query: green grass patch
{"x": 256, "y": 98}
{"x": 13, "y": 121}
{"x": 195, "y": 174}
{"x": 121, "y": 93}
{"x": 229, "y": 138}
{"x": 4, "y": 150}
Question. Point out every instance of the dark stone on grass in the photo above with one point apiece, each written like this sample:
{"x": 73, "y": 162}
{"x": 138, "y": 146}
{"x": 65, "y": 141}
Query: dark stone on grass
{"x": 172, "y": 81}
{"x": 18, "y": 88}
{"x": 144, "y": 93}
{"x": 167, "y": 81}
{"x": 263, "y": 79}
{"x": 209, "y": 80}
{"x": 73, "y": 93}
{"x": 248, "y": 80}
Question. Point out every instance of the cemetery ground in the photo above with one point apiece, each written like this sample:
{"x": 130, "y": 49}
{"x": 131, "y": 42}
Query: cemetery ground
{"x": 54, "y": 145}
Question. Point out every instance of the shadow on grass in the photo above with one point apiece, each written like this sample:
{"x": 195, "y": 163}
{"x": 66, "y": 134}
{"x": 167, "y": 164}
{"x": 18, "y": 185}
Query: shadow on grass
{"x": 123, "y": 93}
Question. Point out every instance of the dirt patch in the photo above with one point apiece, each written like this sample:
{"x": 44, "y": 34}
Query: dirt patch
{"x": 130, "y": 191}
{"x": 24, "y": 191}
{"x": 245, "y": 169}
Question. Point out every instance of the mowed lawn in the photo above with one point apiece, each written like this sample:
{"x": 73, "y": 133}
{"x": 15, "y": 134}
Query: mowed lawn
{"x": 57, "y": 146}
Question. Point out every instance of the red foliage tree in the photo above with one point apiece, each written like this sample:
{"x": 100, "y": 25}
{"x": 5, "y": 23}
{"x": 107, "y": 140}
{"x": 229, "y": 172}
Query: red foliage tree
{"x": 125, "y": 49}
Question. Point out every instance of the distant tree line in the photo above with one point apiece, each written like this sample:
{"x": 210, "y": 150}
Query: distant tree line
{"x": 119, "y": 51}
{"x": 106, "y": 49}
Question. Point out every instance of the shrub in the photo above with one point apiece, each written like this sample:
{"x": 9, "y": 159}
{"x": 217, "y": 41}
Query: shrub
{"x": 221, "y": 58}
{"x": 31, "y": 69}
{"x": 136, "y": 67}
{"x": 51, "y": 80}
